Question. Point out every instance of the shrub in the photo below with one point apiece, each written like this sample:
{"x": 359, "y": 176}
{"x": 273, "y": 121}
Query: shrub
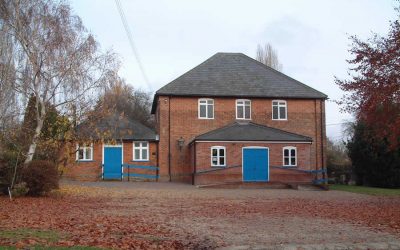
{"x": 40, "y": 177}
{"x": 20, "y": 189}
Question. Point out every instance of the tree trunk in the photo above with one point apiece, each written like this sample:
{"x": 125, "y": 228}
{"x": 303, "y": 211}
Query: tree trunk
{"x": 40, "y": 116}
{"x": 35, "y": 139}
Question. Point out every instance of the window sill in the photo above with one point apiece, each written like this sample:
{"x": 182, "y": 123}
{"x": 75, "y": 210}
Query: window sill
{"x": 140, "y": 160}
{"x": 218, "y": 166}
{"x": 203, "y": 118}
{"x": 295, "y": 166}
{"x": 283, "y": 120}
{"x": 84, "y": 161}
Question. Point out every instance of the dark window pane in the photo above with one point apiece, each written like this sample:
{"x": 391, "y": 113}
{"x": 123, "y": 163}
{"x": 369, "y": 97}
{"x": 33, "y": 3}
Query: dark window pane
{"x": 286, "y": 161}
{"x": 144, "y": 154}
{"x": 282, "y": 111}
{"x": 293, "y": 152}
{"x": 88, "y": 153}
{"x": 137, "y": 154}
{"x": 203, "y": 111}
{"x": 137, "y": 144}
{"x": 221, "y": 152}
{"x": 80, "y": 154}
{"x": 214, "y": 152}
{"x": 247, "y": 113}
{"x": 286, "y": 152}
{"x": 275, "y": 112}
{"x": 240, "y": 112}
{"x": 293, "y": 161}
{"x": 210, "y": 111}
{"x": 222, "y": 160}
{"x": 214, "y": 161}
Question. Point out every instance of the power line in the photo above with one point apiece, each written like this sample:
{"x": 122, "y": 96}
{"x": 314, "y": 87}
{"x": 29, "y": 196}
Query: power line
{"x": 132, "y": 44}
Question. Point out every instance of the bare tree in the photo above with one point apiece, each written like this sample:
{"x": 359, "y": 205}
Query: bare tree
{"x": 268, "y": 56}
{"x": 124, "y": 98}
{"x": 56, "y": 59}
{"x": 8, "y": 98}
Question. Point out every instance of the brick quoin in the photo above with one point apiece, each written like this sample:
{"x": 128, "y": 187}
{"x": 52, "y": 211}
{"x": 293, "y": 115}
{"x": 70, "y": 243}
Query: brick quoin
{"x": 177, "y": 117}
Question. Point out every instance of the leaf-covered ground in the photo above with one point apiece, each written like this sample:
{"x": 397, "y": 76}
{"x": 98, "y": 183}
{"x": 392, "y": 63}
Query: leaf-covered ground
{"x": 177, "y": 216}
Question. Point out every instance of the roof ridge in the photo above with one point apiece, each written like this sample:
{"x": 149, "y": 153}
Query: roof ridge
{"x": 282, "y": 74}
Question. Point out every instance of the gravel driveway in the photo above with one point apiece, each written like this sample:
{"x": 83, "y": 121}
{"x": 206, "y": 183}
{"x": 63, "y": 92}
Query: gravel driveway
{"x": 257, "y": 218}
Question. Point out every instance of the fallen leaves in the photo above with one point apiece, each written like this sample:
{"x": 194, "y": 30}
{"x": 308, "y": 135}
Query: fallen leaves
{"x": 146, "y": 219}
{"x": 82, "y": 221}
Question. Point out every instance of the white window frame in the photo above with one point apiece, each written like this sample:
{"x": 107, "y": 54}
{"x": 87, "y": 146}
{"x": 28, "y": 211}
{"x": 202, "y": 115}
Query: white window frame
{"x": 84, "y": 148}
{"x": 206, "y": 104}
{"x": 243, "y": 104}
{"x": 290, "y": 148}
{"x": 218, "y": 156}
{"x": 141, "y": 147}
{"x": 279, "y": 106}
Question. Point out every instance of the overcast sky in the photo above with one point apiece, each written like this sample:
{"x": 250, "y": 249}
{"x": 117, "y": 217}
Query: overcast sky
{"x": 172, "y": 37}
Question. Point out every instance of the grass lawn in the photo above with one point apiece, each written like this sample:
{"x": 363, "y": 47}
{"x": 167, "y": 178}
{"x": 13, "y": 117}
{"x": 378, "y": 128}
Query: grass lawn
{"x": 24, "y": 233}
{"x": 57, "y": 248}
{"x": 46, "y": 235}
{"x": 366, "y": 190}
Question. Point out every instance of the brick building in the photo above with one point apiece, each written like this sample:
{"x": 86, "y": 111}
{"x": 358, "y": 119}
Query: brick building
{"x": 232, "y": 118}
{"x": 109, "y": 145}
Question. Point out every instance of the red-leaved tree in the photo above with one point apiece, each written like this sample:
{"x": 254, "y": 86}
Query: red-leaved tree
{"x": 373, "y": 90}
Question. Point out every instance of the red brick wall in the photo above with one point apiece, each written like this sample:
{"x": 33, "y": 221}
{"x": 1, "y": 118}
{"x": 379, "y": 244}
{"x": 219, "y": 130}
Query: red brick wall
{"x": 92, "y": 170}
{"x": 128, "y": 159}
{"x": 234, "y": 154}
{"x": 305, "y": 117}
{"x": 85, "y": 170}
{"x": 234, "y": 158}
{"x": 276, "y": 175}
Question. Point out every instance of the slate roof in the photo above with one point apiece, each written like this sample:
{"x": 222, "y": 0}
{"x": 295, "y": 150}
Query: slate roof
{"x": 236, "y": 75}
{"x": 115, "y": 127}
{"x": 249, "y": 131}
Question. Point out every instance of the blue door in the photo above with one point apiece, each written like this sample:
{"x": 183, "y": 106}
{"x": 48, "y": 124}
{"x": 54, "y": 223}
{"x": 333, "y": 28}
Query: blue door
{"x": 255, "y": 164}
{"x": 112, "y": 163}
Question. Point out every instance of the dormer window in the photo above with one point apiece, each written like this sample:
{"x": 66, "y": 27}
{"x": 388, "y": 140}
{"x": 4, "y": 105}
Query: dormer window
{"x": 206, "y": 108}
{"x": 243, "y": 109}
{"x": 279, "y": 110}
